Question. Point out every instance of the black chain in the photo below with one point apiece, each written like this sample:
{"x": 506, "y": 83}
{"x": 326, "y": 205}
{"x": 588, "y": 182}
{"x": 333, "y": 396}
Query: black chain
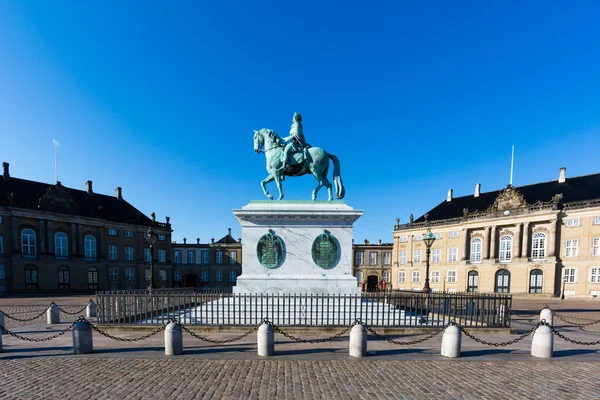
{"x": 100, "y": 331}
{"x": 37, "y": 340}
{"x": 557, "y": 333}
{"x": 381, "y": 337}
{"x": 297, "y": 339}
{"x": 23, "y": 319}
{"x": 205, "y": 339}
{"x": 72, "y": 313}
{"x": 576, "y": 323}
{"x": 503, "y": 343}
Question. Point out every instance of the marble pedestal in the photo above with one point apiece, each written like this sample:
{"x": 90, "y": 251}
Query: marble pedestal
{"x": 297, "y": 224}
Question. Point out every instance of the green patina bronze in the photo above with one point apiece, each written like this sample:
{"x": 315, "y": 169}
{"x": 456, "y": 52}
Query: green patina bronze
{"x": 269, "y": 250}
{"x": 325, "y": 250}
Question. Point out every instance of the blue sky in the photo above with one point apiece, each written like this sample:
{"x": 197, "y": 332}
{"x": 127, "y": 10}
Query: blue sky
{"x": 413, "y": 97}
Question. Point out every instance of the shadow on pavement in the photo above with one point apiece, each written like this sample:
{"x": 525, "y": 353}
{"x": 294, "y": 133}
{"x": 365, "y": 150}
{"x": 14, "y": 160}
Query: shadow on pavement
{"x": 575, "y": 352}
{"x": 475, "y": 353}
{"x": 396, "y": 352}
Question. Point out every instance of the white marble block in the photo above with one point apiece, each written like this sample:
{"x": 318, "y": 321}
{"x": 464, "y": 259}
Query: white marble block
{"x": 297, "y": 224}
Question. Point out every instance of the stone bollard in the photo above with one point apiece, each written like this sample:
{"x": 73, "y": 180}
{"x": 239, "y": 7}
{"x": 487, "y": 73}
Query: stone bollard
{"x": 548, "y": 315}
{"x": 358, "y": 341}
{"x": 2, "y": 322}
{"x": 90, "y": 310}
{"x": 266, "y": 340}
{"x": 173, "y": 339}
{"x": 542, "y": 344}
{"x": 53, "y": 314}
{"x": 451, "y": 342}
{"x": 82, "y": 338}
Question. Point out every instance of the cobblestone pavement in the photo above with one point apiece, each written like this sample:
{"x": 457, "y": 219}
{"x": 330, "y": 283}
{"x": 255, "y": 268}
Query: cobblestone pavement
{"x": 81, "y": 378}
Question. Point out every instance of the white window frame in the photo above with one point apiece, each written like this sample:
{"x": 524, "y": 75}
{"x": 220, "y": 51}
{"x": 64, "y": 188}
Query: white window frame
{"x": 372, "y": 258}
{"x": 130, "y": 274}
{"x": 596, "y": 246}
{"x": 204, "y": 257}
{"x": 416, "y": 277}
{"x": 28, "y": 243}
{"x": 113, "y": 274}
{"x": 453, "y": 234}
{"x": 147, "y": 254}
{"x": 204, "y": 276}
{"x": 570, "y": 274}
{"x": 112, "y": 232}
{"x": 417, "y": 238}
{"x": 61, "y": 244}
{"x": 476, "y": 250}
{"x": 403, "y": 239}
{"x": 128, "y": 234}
{"x": 387, "y": 257}
{"x": 386, "y": 276}
{"x": 596, "y": 220}
{"x": 359, "y": 257}
{"x": 451, "y": 276}
{"x": 113, "y": 252}
{"x": 505, "y": 253}
{"x": 594, "y": 276}
{"x": 191, "y": 256}
{"x": 232, "y": 257}
{"x": 436, "y": 256}
{"x": 401, "y": 276}
{"x": 162, "y": 275}
{"x": 177, "y": 256}
{"x": 402, "y": 257}
{"x": 147, "y": 274}
{"x": 177, "y": 275}
{"x": 453, "y": 254}
{"x": 90, "y": 247}
{"x": 359, "y": 276}
{"x": 219, "y": 258}
{"x": 435, "y": 276}
{"x": 232, "y": 276}
{"x": 437, "y": 235}
{"x": 162, "y": 255}
{"x": 128, "y": 253}
{"x": 571, "y": 223}
{"x": 538, "y": 246}
{"x": 416, "y": 256}
{"x": 572, "y": 248}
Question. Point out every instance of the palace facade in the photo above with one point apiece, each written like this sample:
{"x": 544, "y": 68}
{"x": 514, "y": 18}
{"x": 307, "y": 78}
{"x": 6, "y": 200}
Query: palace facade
{"x": 54, "y": 238}
{"x": 208, "y": 265}
{"x": 372, "y": 265}
{"x": 534, "y": 239}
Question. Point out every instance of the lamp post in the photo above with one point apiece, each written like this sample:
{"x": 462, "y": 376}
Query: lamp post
{"x": 428, "y": 238}
{"x": 563, "y": 291}
{"x": 151, "y": 239}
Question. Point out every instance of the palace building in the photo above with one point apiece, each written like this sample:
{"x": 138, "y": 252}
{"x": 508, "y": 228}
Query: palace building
{"x": 373, "y": 265}
{"x": 54, "y": 238}
{"x": 535, "y": 239}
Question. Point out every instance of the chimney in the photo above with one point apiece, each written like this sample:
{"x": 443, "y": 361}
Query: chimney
{"x": 228, "y": 231}
{"x": 379, "y": 242}
{"x": 212, "y": 240}
{"x": 449, "y": 197}
{"x": 184, "y": 240}
{"x": 88, "y": 188}
{"x": 477, "y": 189}
{"x": 119, "y": 193}
{"x": 561, "y": 178}
{"x": 6, "y": 175}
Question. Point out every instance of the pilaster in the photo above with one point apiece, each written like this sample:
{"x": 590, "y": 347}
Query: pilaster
{"x": 525, "y": 244}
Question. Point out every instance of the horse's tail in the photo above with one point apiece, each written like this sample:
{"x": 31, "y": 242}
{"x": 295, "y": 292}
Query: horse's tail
{"x": 340, "y": 191}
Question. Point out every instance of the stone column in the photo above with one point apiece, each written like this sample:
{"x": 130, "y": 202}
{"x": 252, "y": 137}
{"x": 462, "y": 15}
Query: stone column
{"x": 73, "y": 240}
{"x": 485, "y": 248}
{"x": 552, "y": 238}
{"x": 409, "y": 255}
{"x": 42, "y": 237}
{"x": 15, "y": 235}
{"x": 493, "y": 243}
{"x": 517, "y": 242}
{"x": 50, "y": 236}
{"x": 465, "y": 249}
{"x": 525, "y": 244}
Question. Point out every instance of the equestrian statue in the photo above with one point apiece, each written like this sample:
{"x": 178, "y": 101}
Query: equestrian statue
{"x": 292, "y": 156}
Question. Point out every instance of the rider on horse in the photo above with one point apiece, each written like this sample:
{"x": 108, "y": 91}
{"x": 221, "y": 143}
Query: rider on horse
{"x": 295, "y": 142}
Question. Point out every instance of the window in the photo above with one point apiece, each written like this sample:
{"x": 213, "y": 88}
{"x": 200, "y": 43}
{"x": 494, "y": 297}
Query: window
{"x": 595, "y": 245}
{"x": 191, "y": 257}
{"x": 387, "y": 258}
{"x": 232, "y": 257}
{"x": 373, "y": 258}
{"x": 147, "y": 254}
{"x": 31, "y": 278}
{"x": 92, "y": 278}
{"x": 219, "y": 258}
{"x": 403, "y": 239}
{"x": 451, "y": 276}
{"x": 572, "y": 222}
{"x": 90, "y": 247}
{"x": 506, "y": 248}
{"x": 28, "y": 248}
{"x": 453, "y": 234}
{"x": 61, "y": 247}
{"x": 359, "y": 276}
{"x": 538, "y": 246}
{"x": 2, "y": 272}
{"x": 128, "y": 234}
{"x": 502, "y": 281}
{"x": 128, "y": 253}
{"x": 1, "y": 244}
{"x": 359, "y": 257}
{"x": 595, "y": 275}
{"x": 535, "y": 281}
{"x": 569, "y": 275}
{"x": 473, "y": 281}
{"x": 416, "y": 276}
{"x": 162, "y": 255}
{"x": 204, "y": 256}
{"x": 596, "y": 221}
{"x": 112, "y": 252}
{"x": 147, "y": 274}
{"x": 386, "y": 276}
{"x": 476, "y": 250}
{"x": 572, "y": 248}
{"x": 416, "y": 238}
{"x": 402, "y": 257}
{"x": 435, "y": 276}
{"x": 177, "y": 276}
{"x": 452, "y": 254}
{"x": 436, "y": 255}
{"x": 112, "y": 232}
{"x": 113, "y": 274}
{"x": 401, "y": 277}
{"x": 437, "y": 235}
{"x": 417, "y": 256}
{"x": 177, "y": 255}
{"x": 232, "y": 276}
{"x": 204, "y": 276}
{"x": 1, "y": 219}
{"x": 63, "y": 278}
{"x": 162, "y": 238}
{"x": 162, "y": 275}
{"x": 219, "y": 276}
{"x": 130, "y": 274}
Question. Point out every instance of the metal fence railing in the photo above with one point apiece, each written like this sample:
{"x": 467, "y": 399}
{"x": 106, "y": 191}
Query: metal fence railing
{"x": 388, "y": 309}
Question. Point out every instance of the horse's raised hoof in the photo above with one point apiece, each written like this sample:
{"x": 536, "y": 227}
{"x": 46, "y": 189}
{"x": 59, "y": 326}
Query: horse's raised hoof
{"x": 270, "y": 196}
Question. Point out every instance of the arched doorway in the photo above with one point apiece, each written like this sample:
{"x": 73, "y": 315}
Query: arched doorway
{"x": 372, "y": 283}
{"x": 191, "y": 280}
{"x": 502, "y": 281}
{"x": 473, "y": 282}
{"x": 535, "y": 281}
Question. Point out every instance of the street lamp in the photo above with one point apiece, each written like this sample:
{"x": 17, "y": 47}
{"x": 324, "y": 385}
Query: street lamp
{"x": 151, "y": 239}
{"x": 563, "y": 291}
{"x": 428, "y": 238}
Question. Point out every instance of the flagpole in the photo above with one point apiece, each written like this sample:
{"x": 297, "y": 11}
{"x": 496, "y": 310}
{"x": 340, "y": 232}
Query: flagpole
{"x": 512, "y": 163}
{"x": 55, "y": 159}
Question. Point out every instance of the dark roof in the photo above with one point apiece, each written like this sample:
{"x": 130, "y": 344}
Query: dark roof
{"x": 579, "y": 188}
{"x": 22, "y": 193}
{"x": 227, "y": 239}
